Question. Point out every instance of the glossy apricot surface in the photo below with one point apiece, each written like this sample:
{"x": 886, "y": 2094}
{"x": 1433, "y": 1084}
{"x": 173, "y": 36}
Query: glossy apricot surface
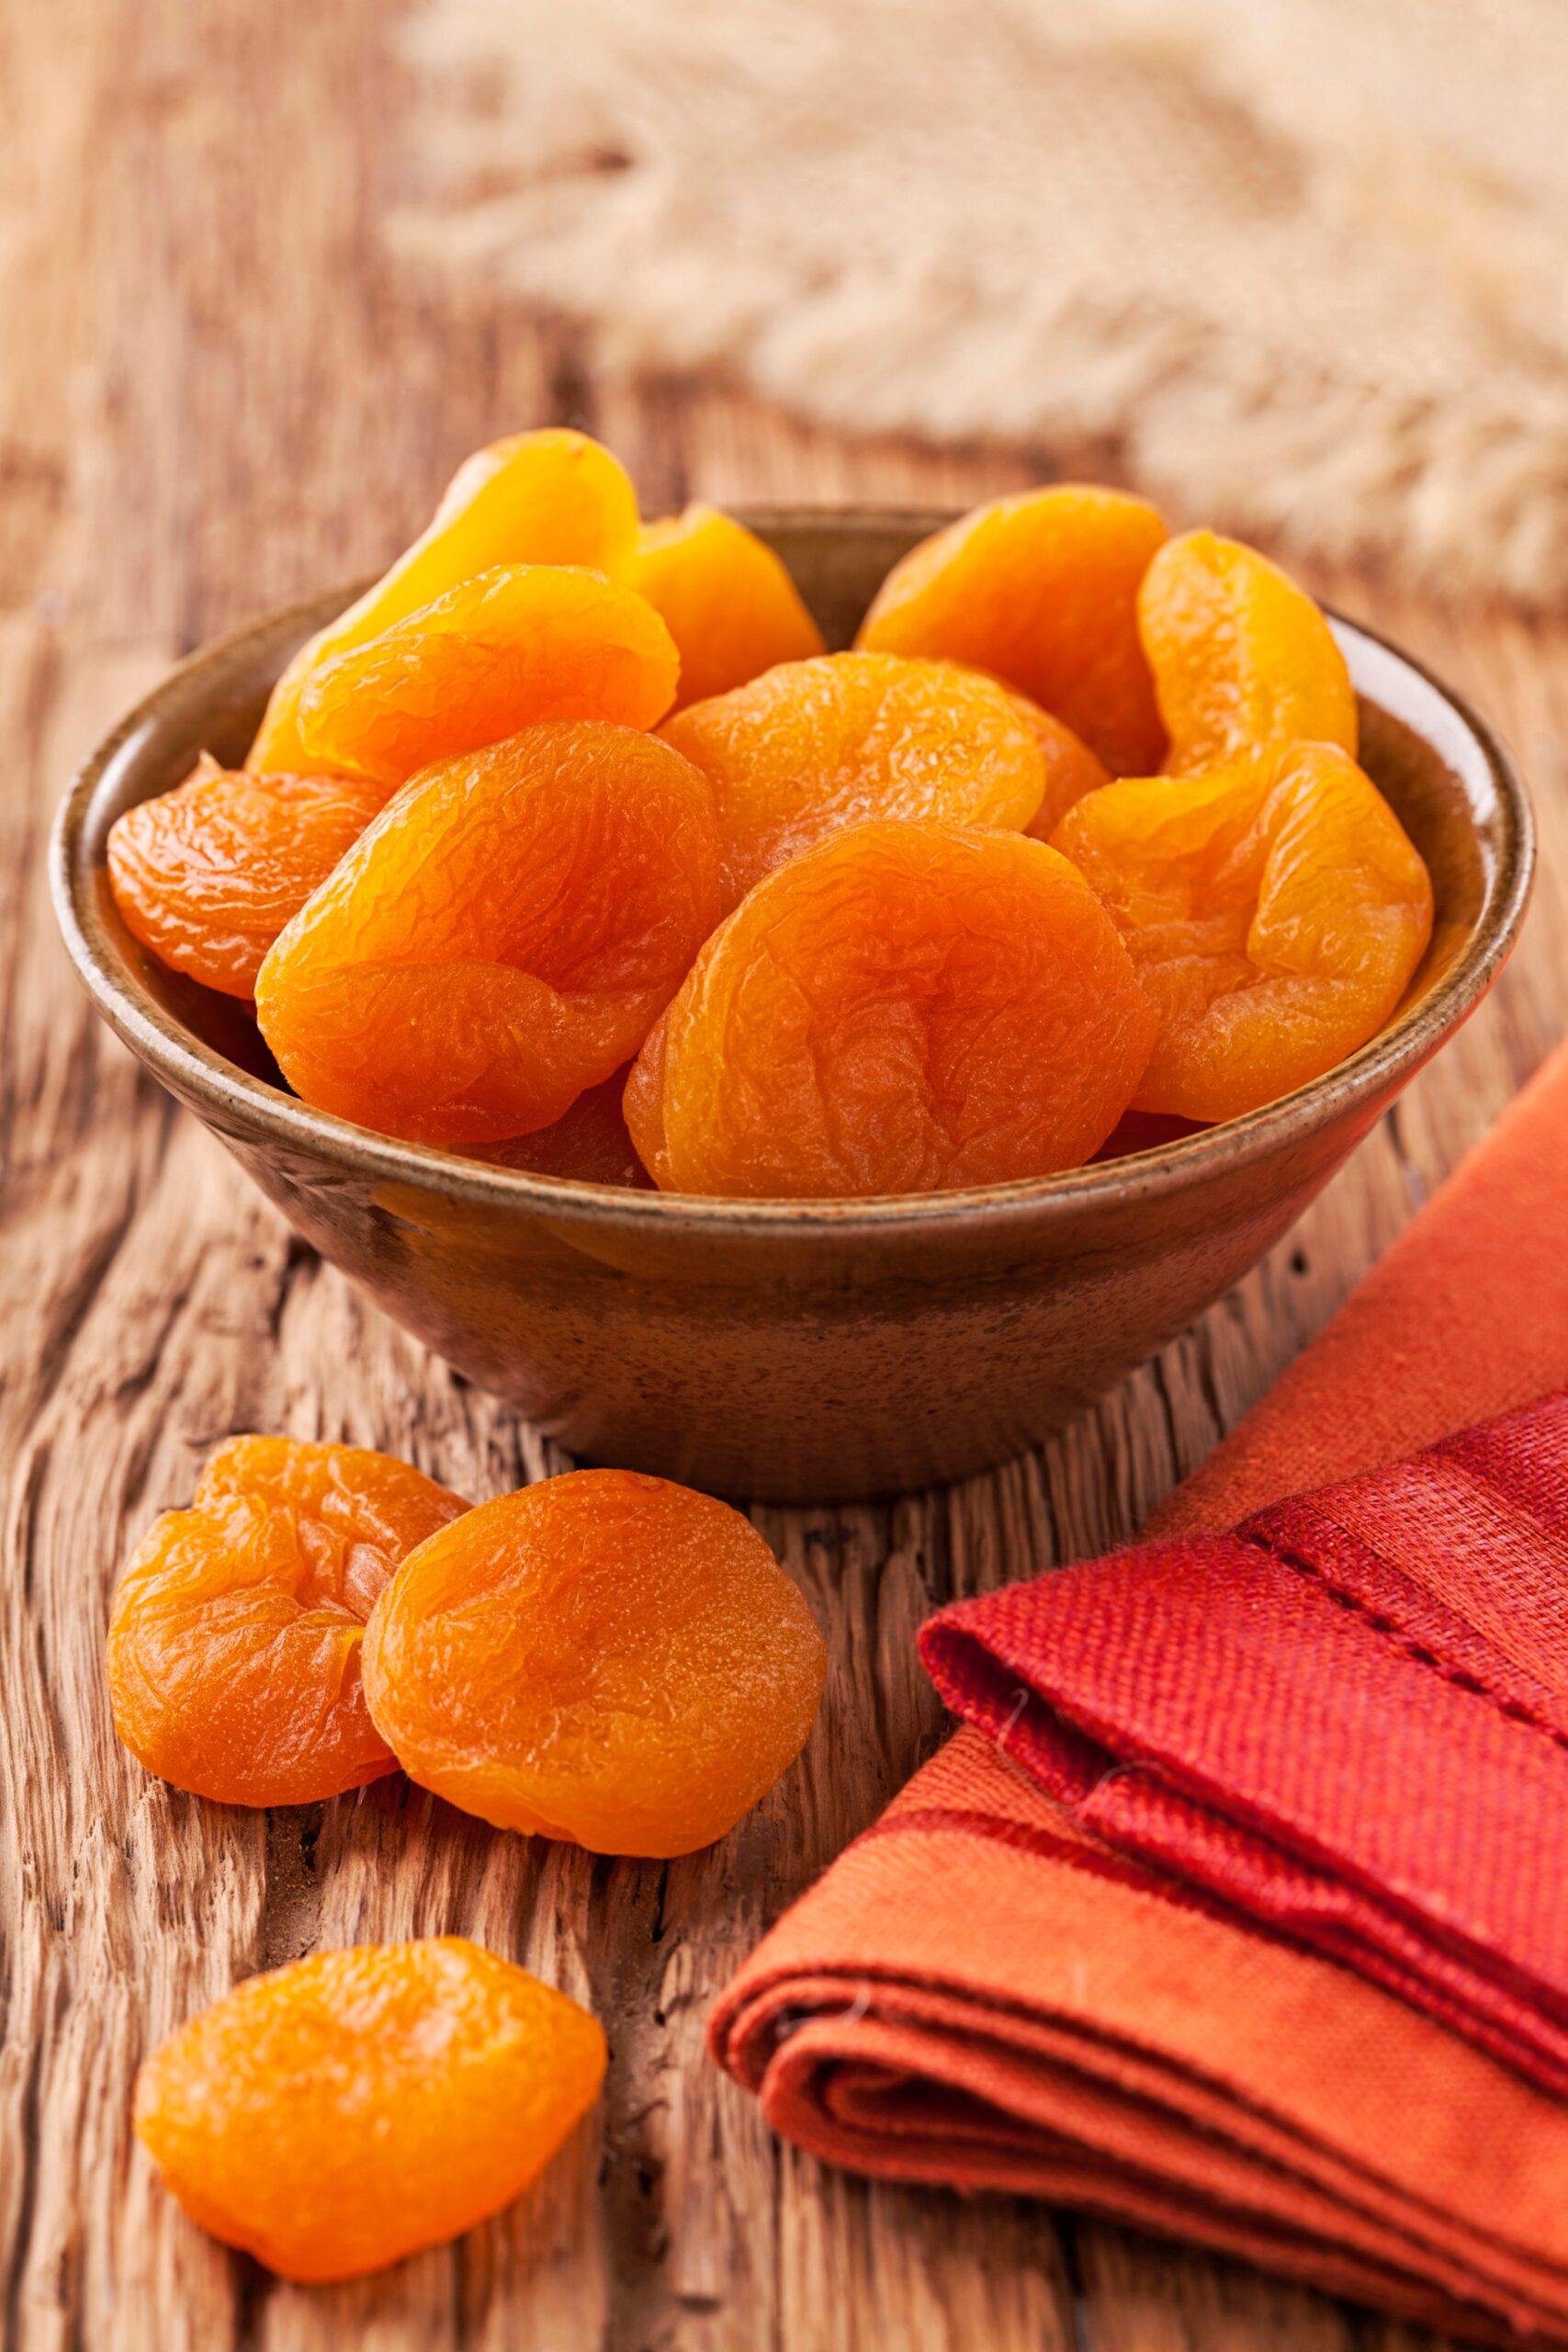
{"x": 207, "y": 876}
{"x": 1245, "y": 662}
{"x": 497, "y": 653}
{"x": 336, "y": 2115}
{"x": 730, "y": 605}
{"x": 551, "y": 496}
{"x": 1041, "y": 589}
{"x": 1071, "y": 768}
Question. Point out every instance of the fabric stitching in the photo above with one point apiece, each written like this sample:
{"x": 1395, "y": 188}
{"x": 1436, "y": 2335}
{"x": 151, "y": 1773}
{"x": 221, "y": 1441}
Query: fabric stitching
{"x": 1512, "y": 1710}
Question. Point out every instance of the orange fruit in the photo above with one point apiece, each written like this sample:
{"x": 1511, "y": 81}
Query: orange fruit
{"x": 813, "y": 746}
{"x": 904, "y": 1009}
{"x": 729, "y": 602}
{"x": 235, "y": 1635}
{"x": 604, "y": 1658}
{"x": 1040, "y": 589}
{"x": 497, "y": 653}
{"x": 1244, "y": 663}
{"x": 340, "y": 2113}
{"x": 553, "y": 496}
{"x": 207, "y": 876}
{"x": 1274, "y": 913}
{"x": 503, "y": 936}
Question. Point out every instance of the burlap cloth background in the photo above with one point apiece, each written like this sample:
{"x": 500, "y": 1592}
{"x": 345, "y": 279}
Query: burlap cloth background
{"x": 1304, "y": 262}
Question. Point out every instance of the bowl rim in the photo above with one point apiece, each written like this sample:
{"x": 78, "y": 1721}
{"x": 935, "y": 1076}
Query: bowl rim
{"x": 263, "y": 1111}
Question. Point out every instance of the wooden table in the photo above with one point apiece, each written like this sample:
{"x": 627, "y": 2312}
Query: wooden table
{"x": 219, "y": 392}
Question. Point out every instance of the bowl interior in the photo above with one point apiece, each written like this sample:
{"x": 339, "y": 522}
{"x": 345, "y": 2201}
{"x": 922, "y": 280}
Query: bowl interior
{"x": 1451, "y": 783}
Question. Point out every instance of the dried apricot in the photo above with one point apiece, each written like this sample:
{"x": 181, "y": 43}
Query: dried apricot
{"x": 504, "y": 934}
{"x": 552, "y": 497}
{"x": 525, "y": 642}
{"x": 815, "y": 746}
{"x": 234, "y": 1640}
{"x": 604, "y": 1658}
{"x": 1244, "y": 660}
{"x": 731, "y": 607}
{"x": 905, "y": 1008}
{"x": 336, "y": 2115}
{"x": 207, "y": 876}
{"x": 1274, "y": 913}
{"x": 1041, "y": 591}
{"x": 591, "y": 1143}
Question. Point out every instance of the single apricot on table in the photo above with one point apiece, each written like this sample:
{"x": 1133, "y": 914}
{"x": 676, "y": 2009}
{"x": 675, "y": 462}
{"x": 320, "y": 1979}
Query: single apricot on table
{"x": 812, "y": 747}
{"x": 1245, "y": 662}
{"x": 606, "y": 1659}
{"x": 523, "y": 642}
{"x": 234, "y": 1641}
{"x": 904, "y": 1009}
{"x": 1274, "y": 913}
{"x": 340, "y": 2113}
{"x": 207, "y": 876}
{"x": 1041, "y": 590}
{"x": 504, "y": 936}
{"x": 552, "y": 496}
{"x": 730, "y": 605}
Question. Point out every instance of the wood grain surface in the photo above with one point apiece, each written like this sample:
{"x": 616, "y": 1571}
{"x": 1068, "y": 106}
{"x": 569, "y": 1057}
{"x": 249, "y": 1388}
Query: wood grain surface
{"x": 216, "y": 392}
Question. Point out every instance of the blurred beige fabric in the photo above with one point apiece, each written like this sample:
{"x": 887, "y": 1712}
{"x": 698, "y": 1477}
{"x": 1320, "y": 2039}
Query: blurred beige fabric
{"x": 1304, "y": 262}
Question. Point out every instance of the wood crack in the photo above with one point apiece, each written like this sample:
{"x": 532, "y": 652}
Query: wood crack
{"x": 292, "y": 1904}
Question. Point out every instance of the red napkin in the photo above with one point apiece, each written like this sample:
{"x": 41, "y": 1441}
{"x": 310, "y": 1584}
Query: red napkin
{"x": 1349, "y": 1720}
{"x": 1346, "y": 1719}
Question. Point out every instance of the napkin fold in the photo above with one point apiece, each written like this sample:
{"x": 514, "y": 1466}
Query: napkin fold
{"x": 1223, "y": 1914}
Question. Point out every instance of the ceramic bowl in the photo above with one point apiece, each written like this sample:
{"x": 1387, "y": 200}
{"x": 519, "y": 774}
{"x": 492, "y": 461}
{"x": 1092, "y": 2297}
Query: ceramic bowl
{"x": 796, "y": 1351}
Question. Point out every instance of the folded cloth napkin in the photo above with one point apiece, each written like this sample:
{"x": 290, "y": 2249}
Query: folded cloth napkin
{"x": 993, "y": 1987}
{"x": 1349, "y": 1720}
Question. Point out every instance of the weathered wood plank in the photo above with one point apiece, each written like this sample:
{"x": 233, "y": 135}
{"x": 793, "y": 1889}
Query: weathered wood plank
{"x": 220, "y": 393}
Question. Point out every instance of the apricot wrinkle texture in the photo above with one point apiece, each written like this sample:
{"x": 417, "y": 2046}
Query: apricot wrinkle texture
{"x": 521, "y": 643}
{"x": 1244, "y": 662}
{"x": 553, "y": 496}
{"x": 234, "y": 1641}
{"x": 207, "y": 876}
{"x": 814, "y": 747}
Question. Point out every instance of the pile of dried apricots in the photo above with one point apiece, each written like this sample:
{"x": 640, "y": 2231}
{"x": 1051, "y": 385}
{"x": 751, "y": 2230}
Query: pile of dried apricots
{"x": 571, "y": 846}
{"x": 602, "y": 1659}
